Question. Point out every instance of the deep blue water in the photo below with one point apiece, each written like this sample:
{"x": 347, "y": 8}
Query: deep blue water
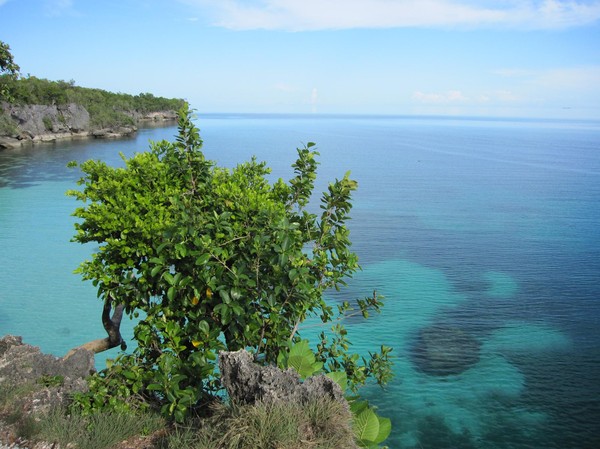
{"x": 487, "y": 226}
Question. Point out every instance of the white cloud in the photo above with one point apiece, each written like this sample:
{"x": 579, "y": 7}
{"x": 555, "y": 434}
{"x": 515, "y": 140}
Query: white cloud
{"x": 284, "y": 87}
{"x": 2, "y": 2}
{"x": 456, "y": 97}
{"x": 58, "y": 7}
{"x": 504, "y": 96}
{"x": 452, "y": 96}
{"x": 303, "y": 15}
{"x": 572, "y": 78}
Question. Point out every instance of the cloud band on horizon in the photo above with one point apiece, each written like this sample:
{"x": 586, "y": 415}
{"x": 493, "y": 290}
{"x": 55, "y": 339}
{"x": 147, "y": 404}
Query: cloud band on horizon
{"x": 313, "y": 15}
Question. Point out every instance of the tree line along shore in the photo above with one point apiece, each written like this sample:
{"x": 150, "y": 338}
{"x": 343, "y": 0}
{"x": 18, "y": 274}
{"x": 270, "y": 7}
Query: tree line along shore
{"x": 40, "y": 110}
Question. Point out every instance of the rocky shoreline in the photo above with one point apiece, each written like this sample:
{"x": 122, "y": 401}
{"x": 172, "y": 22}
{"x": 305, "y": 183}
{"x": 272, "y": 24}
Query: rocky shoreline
{"x": 34, "y": 384}
{"x": 48, "y": 123}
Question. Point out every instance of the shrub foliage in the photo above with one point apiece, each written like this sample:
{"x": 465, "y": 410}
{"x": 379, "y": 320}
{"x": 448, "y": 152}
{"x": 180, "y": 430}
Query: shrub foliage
{"x": 215, "y": 259}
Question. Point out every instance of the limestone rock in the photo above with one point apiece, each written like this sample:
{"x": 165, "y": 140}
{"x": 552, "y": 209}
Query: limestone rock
{"x": 9, "y": 143}
{"x": 76, "y": 117}
{"x": 247, "y": 382}
{"x": 9, "y": 341}
{"x": 48, "y": 123}
{"x": 159, "y": 116}
{"x": 40, "y": 120}
{"x": 114, "y": 133}
{"x": 24, "y": 364}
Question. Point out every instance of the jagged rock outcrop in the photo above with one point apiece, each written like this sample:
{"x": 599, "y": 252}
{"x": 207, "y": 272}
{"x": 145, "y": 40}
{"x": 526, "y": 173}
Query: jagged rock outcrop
{"x": 54, "y": 378}
{"x": 36, "y": 120}
{"x": 247, "y": 382}
{"x": 157, "y": 116}
{"x": 47, "y": 123}
{"x": 445, "y": 350}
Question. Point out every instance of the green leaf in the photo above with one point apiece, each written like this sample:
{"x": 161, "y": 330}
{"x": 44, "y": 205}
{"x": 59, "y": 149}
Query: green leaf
{"x": 169, "y": 278}
{"x": 225, "y": 315}
{"x": 129, "y": 375}
{"x": 385, "y": 428}
{"x": 302, "y": 359}
{"x": 339, "y": 377}
{"x": 225, "y": 296}
{"x": 204, "y": 327}
{"x": 356, "y": 406}
{"x": 282, "y": 360}
{"x": 366, "y": 426}
{"x": 237, "y": 310}
{"x": 203, "y": 259}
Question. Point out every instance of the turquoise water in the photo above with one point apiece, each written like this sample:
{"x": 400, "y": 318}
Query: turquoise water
{"x": 490, "y": 227}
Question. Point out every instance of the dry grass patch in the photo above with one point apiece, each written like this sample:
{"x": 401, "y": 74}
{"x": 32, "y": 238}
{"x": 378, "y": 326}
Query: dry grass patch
{"x": 280, "y": 425}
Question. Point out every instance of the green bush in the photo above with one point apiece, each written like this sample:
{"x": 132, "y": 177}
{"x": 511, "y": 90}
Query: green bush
{"x": 7, "y": 126}
{"x": 215, "y": 259}
{"x": 47, "y": 123}
{"x": 9, "y": 72}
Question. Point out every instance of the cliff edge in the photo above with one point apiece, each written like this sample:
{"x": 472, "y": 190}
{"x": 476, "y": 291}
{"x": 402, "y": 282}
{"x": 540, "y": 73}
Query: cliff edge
{"x": 32, "y": 123}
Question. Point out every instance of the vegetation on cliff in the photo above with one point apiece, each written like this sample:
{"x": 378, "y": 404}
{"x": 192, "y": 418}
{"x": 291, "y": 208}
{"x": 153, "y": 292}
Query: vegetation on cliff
{"x": 9, "y": 71}
{"x": 106, "y": 109}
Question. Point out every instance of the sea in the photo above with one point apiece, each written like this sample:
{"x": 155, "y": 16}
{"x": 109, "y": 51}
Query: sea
{"x": 482, "y": 228}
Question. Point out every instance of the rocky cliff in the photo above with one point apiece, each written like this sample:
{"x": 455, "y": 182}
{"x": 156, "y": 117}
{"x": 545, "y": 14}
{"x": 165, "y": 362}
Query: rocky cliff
{"x": 25, "y": 124}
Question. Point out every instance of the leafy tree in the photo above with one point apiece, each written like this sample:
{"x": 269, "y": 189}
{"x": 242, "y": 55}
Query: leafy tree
{"x": 215, "y": 259}
{"x": 9, "y": 71}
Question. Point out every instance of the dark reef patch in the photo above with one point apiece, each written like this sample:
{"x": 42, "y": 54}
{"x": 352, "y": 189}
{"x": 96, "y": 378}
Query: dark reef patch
{"x": 441, "y": 350}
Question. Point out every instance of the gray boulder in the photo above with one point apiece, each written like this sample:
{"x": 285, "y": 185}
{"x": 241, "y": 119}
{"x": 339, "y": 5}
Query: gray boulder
{"x": 247, "y": 382}
{"x": 39, "y": 120}
{"x": 53, "y": 379}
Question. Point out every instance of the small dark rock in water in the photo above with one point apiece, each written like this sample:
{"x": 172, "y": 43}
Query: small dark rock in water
{"x": 444, "y": 350}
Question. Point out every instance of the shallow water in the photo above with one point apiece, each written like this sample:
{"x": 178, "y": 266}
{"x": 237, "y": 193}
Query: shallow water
{"x": 490, "y": 227}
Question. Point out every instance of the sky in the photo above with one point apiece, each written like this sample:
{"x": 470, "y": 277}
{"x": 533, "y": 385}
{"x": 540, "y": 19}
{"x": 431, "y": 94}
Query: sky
{"x": 497, "y": 58}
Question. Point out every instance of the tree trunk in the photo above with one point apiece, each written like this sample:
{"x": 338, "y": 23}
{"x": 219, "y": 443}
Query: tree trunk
{"x": 112, "y": 326}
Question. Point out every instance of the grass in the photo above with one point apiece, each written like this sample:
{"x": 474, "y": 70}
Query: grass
{"x": 98, "y": 431}
{"x": 280, "y": 425}
{"x": 11, "y": 412}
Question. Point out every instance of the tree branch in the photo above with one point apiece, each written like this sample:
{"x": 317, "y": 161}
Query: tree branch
{"x": 112, "y": 326}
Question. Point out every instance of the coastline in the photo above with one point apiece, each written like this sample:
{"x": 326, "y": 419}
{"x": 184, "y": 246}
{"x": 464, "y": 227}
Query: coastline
{"x": 33, "y": 124}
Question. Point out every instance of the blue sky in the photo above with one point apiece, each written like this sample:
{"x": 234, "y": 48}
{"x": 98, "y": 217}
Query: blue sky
{"x": 523, "y": 58}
